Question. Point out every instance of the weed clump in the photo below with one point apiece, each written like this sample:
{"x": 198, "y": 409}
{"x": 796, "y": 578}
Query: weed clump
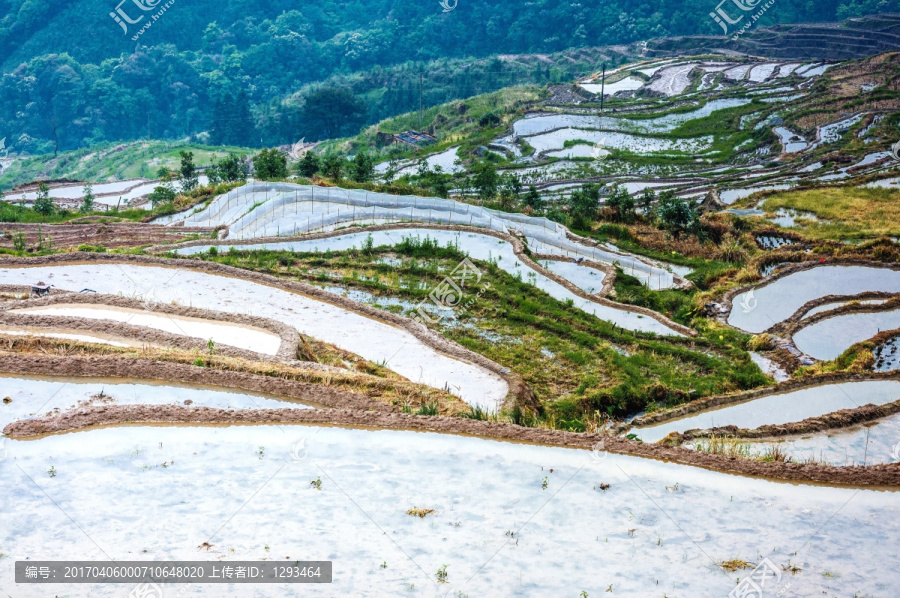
{"x": 735, "y": 565}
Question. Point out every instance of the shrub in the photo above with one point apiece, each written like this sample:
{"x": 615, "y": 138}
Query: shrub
{"x": 91, "y": 248}
{"x": 270, "y": 164}
{"x": 43, "y": 204}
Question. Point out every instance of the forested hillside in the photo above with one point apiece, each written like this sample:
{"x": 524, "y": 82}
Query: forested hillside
{"x": 73, "y": 76}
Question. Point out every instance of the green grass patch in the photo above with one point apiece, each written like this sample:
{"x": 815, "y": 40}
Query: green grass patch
{"x": 577, "y": 364}
{"x": 846, "y": 212}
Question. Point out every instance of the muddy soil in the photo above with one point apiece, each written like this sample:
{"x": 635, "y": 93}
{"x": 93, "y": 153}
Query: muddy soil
{"x": 740, "y": 397}
{"x": 125, "y": 367}
{"x": 110, "y": 234}
{"x": 520, "y": 394}
{"x": 287, "y": 351}
{"x": 887, "y": 476}
{"x": 830, "y": 421}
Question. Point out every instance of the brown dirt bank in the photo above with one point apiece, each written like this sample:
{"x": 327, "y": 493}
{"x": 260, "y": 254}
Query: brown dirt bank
{"x": 164, "y": 371}
{"x": 787, "y": 270}
{"x": 843, "y": 418}
{"x": 391, "y": 390}
{"x": 788, "y": 326}
{"x": 748, "y": 395}
{"x": 519, "y": 392}
{"x": 609, "y": 274}
{"x": 136, "y": 336}
{"x": 295, "y": 350}
{"x": 518, "y": 248}
{"x": 886, "y": 476}
{"x": 854, "y": 308}
{"x": 108, "y": 234}
{"x": 287, "y": 351}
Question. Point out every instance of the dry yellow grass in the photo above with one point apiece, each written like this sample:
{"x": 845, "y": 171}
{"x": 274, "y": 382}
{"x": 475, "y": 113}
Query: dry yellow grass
{"x": 849, "y": 211}
{"x": 735, "y": 564}
{"x": 419, "y": 512}
{"x": 392, "y": 390}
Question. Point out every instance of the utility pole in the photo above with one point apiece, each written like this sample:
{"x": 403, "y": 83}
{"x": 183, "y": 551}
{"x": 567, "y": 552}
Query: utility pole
{"x": 420, "y": 100}
{"x": 602, "y": 86}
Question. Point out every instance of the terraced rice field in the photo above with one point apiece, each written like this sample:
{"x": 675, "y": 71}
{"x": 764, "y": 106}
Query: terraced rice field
{"x": 481, "y": 396}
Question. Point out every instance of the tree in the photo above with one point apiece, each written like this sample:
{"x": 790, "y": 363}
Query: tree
{"x": 485, "y": 179}
{"x": 333, "y": 167}
{"x": 243, "y": 131}
{"x": 391, "y": 171}
{"x": 162, "y": 194}
{"x": 229, "y": 169}
{"x": 232, "y": 122}
{"x": 510, "y": 187}
{"x": 648, "y": 198}
{"x": 270, "y": 164}
{"x": 42, "y": 203}
{"x": 188, "y": 171}
{"x": 533, "y": 199}
{"x": 87, "y": 202}
{"x": 677, "y": 215}
{"x": 489, "y": 120}
{"x": 583, "y": 205}
{"x": 363, "y": 170}
{"x": 330, "y": 111}
{"x": 621, "y": 202}
{"x": 437, "y": 180}
{"x": 465, "y": 184}
{"x": 309, "y": 164}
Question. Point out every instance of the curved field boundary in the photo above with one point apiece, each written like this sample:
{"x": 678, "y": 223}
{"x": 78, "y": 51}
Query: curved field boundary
{"x": 117, "y": 234}
{"x": 137, "y": 183}
{"x": 797, "y": 321}
{"x": 680, "y": 283}
{"x": 664, "y": 183}
{"x": 165, "y": 371}
{"x": 886, "y": 476}
{"x": 115, "y": 331}
{"x": 362, "y": 207}
{"x": 518, "y": 248}
{"x": 519, "y": 392}
{"x": 787, "y": 270}
{"x": 835, "y": 420}
{"x": 609, "y": 274}
{"x": 860, "y": 308}
{"x": 287, "y": 350}
{"x": 749, "y": 395}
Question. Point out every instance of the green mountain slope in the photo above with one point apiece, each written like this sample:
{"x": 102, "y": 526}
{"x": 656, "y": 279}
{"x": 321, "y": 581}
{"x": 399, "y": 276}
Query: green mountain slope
{"x": 73, "y": 77}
